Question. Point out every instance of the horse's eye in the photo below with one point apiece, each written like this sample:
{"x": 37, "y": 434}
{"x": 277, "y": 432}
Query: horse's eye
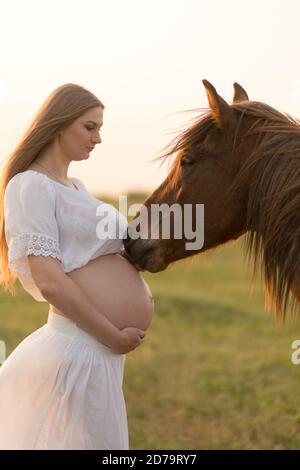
{"x": 186, "y": 160}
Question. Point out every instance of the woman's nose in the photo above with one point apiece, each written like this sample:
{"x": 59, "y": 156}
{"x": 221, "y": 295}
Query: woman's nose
{"x": 98, "y": 140}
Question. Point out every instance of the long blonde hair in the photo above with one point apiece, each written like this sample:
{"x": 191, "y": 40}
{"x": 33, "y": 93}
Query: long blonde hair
{"x": 65, "y": 104}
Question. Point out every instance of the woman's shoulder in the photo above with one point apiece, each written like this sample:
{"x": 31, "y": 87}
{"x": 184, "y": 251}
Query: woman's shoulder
{"x": 26, "y": 177}
{"x": 28, "y": 182}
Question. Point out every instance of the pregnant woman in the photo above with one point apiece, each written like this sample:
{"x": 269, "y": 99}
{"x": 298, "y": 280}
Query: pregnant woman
{"x": 61, "y": 388}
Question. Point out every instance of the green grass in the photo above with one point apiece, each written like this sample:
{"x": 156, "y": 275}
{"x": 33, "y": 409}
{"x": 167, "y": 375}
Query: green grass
{"x": 215, "y": 371}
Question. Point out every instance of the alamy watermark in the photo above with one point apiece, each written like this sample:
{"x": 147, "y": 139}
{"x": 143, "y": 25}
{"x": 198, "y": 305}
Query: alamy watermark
{"x": 185, "y": 217}
{"x": 295, "y": 357}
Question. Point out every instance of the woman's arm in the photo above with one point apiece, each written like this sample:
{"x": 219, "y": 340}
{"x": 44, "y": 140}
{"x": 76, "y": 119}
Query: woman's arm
{"x": 64, "y": 294}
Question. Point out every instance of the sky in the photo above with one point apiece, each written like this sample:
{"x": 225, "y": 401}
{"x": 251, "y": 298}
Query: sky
{"x": 145, "y": 60}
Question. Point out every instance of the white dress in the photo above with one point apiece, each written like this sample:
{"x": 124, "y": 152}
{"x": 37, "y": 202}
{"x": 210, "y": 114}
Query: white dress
{"x": 60, "y": 388}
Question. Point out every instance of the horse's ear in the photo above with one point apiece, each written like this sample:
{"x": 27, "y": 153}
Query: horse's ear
{"x": 239, "y": 93}
{"x": 222, "y": 112}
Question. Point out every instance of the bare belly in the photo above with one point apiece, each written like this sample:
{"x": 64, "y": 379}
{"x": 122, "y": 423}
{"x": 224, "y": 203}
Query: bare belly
{"x": 117, "y": 289}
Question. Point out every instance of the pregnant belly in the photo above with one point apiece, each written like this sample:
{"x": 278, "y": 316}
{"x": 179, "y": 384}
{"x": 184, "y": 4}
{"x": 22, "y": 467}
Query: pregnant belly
{"x": 117, "y": 289}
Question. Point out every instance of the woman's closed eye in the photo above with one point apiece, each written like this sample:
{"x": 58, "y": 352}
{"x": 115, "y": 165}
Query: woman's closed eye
{"x": 91, "y": 128}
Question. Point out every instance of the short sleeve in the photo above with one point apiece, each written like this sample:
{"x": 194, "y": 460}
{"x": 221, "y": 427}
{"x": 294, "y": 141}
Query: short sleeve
{"x": 30, "y": 223}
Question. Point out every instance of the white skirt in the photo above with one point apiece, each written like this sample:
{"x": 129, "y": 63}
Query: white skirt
{"x": 62, "y": 389}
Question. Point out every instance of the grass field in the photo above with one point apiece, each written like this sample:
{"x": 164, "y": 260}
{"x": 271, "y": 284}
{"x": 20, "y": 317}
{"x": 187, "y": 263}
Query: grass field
{"x": 215, "y": 371}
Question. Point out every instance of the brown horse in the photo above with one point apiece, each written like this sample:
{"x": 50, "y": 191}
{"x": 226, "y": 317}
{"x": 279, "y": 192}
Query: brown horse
{"x": 242, "y": 161}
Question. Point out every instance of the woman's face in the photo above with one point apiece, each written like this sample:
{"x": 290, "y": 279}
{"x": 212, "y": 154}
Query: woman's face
{"x": 80, "y": 138}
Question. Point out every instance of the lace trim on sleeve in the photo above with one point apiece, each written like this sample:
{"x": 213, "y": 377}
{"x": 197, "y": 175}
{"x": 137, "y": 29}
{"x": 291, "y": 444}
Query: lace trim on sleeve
{"x": 30, "y": 244}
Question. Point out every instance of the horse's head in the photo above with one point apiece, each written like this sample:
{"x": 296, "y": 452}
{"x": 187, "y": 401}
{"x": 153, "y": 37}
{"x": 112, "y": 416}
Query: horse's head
{"x": 242, "y": 161}
{"x": 203, "y": 172}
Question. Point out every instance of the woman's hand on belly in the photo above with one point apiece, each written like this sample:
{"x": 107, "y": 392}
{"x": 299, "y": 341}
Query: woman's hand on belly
{"x": 129, "y": 339}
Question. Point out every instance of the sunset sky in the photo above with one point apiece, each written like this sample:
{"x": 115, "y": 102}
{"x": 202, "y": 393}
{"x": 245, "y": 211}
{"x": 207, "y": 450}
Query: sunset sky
{"x": 145, "y": 60}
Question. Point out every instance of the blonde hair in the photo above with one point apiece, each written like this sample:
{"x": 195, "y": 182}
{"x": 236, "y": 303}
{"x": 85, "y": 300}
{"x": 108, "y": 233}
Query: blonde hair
{"x": 63, "y": 106}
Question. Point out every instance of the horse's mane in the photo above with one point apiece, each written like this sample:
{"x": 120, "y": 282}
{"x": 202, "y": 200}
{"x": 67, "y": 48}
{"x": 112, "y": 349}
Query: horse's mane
{"x": 272, "y": 175}
{"x": 195, "y": 129}
{"x": 191, "y": 134}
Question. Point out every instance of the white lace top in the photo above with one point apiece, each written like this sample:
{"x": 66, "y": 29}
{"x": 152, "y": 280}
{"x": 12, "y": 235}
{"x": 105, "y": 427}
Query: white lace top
{"x": 45, "y": 217}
